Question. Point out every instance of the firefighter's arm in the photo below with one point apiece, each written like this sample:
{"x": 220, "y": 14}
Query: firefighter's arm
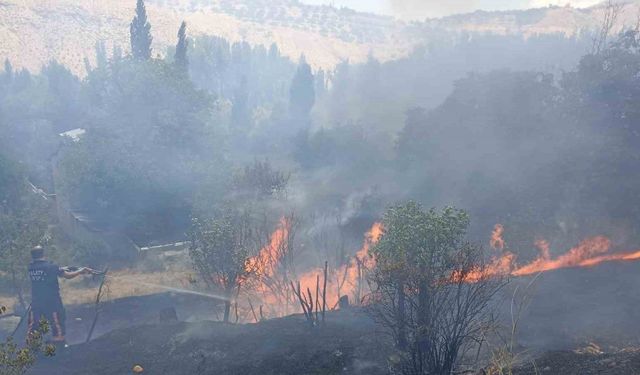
{"x": 73, "y": 274}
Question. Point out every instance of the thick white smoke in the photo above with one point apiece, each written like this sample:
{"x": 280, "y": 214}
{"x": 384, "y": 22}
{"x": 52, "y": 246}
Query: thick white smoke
{"x": 417, "y": 9}
{"x": 421, "y": 9}
{"x": 574, "y": 3}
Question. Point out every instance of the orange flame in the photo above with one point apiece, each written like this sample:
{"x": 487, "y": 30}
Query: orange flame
{"x": 370, "y": 238}
{"x": 585, "y": 251}
{"x": 264, "y": 268}
{"x": 353, "y": 273}
{"x": 543, "y": 247}
{"x": 496, "y": 241}
{"x": 266, "y": 260}
{"x": 589, "y": 253}
{"x": 345, "y": 280}
{"x": 499, "y": 266}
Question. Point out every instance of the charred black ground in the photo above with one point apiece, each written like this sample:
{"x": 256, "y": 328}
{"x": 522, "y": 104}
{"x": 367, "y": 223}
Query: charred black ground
{"x": 576, "y": 324}
{"x": 349, "y": 344}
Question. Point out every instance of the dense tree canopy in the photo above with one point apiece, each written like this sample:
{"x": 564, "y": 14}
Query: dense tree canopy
{"x": 152, "y": 142}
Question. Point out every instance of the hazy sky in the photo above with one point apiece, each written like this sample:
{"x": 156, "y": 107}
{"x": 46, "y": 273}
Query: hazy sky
{"x": 436, "y": 8}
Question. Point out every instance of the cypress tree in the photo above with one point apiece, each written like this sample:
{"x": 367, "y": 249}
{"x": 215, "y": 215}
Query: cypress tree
{"x": 101, "y": 55}
{"x": 141, "y": 34}
{"x": 321, "y": 84}
{"x": 181, "y": 60}
{"x": 240, "y": 117}
{"x": 116, "y": 54}
{"x": 8, "y": 69}
{"x": 302, "y": 94}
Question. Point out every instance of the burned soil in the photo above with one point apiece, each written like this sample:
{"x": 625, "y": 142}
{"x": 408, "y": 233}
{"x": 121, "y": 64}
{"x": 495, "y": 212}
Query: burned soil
{"x": 624, "y": 362}
{"x": 580, "y": 321}
{"x": 349, "y": 344}
{"x": 124, "y": 313}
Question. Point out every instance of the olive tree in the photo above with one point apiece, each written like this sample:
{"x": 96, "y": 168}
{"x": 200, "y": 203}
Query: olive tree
{"x": 23, "y": 224}
{"x": 19, "y": 232}
{"x": 431, "y": 288}
{"x": 220, "y": 250}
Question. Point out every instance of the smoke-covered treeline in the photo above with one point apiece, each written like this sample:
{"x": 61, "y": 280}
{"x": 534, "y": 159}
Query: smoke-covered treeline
{"x": 550, "y": 155}
{"x": 516, "y": 130}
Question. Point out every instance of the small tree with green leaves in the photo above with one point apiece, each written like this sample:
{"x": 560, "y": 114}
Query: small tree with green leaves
{"x": 220, "y": 250}
{"x": 260, "y": 180}
{"x": 15, "y": 359}
{"x": 432, "y": 291}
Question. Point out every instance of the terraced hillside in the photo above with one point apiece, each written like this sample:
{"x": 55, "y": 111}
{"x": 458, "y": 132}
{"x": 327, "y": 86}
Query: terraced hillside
{"x": 33, "y": 32}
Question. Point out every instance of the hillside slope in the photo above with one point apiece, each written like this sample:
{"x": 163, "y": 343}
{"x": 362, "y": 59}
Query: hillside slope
{"x": 36, "y": 31}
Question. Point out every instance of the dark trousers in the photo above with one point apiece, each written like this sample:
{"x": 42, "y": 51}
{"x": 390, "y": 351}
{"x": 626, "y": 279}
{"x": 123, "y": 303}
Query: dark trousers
{"x": 56, "y": 319}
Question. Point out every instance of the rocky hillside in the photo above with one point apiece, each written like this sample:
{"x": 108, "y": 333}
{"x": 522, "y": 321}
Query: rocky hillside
{"x": 36, "y": 31}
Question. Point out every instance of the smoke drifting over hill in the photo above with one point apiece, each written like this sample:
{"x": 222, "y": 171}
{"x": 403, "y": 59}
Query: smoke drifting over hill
{"x": 418, "y": 9}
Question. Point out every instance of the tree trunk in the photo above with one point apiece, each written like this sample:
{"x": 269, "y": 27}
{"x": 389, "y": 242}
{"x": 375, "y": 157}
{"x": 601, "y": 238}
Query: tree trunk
{"x": 401, "y": 318}
{"x": 424, "y": 318}
{"x": 228, "y": 293}
{"x": 18, "y": 290}
{"x": 227, "y": 311}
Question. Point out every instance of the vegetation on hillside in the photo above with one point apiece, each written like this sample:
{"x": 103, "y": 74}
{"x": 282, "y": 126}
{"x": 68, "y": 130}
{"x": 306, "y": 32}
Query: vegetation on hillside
{"x": 222, "y": 142}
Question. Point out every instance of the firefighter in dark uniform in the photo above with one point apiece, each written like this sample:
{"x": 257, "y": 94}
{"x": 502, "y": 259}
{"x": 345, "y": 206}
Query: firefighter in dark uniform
{"x": 46, "y": 302}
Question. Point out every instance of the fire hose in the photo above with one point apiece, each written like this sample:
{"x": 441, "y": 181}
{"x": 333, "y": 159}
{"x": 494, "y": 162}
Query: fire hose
{"x": 98, "y": 297}
{"x": 91, "y": 270}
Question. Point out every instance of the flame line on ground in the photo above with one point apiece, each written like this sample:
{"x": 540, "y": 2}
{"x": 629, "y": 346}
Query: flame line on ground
{"x": 590, "y": 252}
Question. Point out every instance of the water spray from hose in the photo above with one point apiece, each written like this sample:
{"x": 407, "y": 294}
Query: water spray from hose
{"x": 186, "y": 291}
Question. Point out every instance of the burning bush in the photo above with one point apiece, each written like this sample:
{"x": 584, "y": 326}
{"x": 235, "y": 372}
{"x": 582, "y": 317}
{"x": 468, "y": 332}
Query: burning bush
{"x": 273, "y": 268}
{"x": 274, "y": 271}
{"x": 220, "y": 250}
